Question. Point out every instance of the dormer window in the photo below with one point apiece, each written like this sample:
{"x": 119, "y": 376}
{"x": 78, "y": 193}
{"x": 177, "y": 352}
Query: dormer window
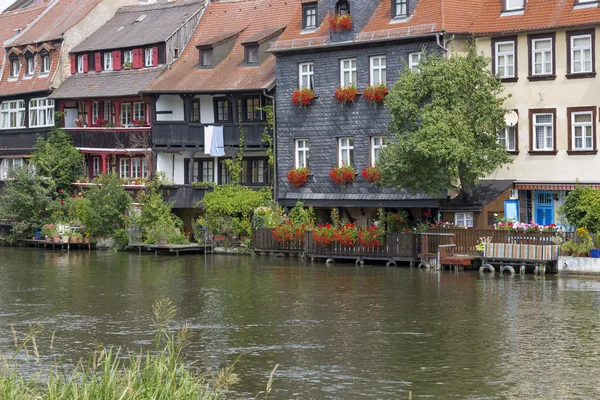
{"x": 309, "y": 16}
{"x": 206, "y": 58}
{"x": 399, "y": 8}
{"x": 252, "y": 55}
{"x": 30, "y": 66}
{"x": 342, "y": 7}
{"x": 128, "y": 57}
{"x": 148, "y": 57}
{"x": 45, "y": 64}
{"x": 514, "y": 5}
{"x": 108, "y": 61}
{"x": 15, "y": 67}
{"x": 80, "y": 64}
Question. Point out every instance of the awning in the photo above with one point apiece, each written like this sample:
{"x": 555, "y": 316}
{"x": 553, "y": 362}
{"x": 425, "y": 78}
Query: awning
{"x": 552, "y": 186}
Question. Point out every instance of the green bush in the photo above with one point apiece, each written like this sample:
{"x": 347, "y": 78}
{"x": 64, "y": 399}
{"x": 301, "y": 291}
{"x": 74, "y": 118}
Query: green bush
{"x": 164, "y": 230}
{"x": 582, "y": 208}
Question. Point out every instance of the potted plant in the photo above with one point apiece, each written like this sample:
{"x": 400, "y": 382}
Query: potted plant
{"x": 342, "y": 175}
{"x": 127, "y": 65}
{"x": 139, "y": 122}
{"x": 346, "y": 94}
{"x": 340, "y": 22}
{"x": 581, "y": 244}
{"x": 372, "y": 174}
{"x": 49, "y": 231}
{"x": 78, "y": 122}
{"x": 76, "y": 237}
{"x": 375, "y": 94}
{"x": 303, "y": 97}
{"x": 595, "y": 252}
{"x": 297, "y": 177}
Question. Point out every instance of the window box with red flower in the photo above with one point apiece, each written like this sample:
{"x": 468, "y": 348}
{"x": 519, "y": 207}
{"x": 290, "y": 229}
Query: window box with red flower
{"x": 371, "y": 236}
{"x": 139, "y": 123}
{"x": 342, "y": 175}
{"x": 289, "y": 232}
{"x": 340, "y": 22}
{"x": 372, "y": 174}
{"x": 303, "y": 97}
{"x": 297, "y": 177}
{"x": 346, "y": 94}
{"x": 375, "y": 94}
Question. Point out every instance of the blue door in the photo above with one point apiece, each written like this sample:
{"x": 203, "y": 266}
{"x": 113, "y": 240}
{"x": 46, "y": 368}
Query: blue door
{"x": 511, "y": 210}
{"x": 544, "y": 207}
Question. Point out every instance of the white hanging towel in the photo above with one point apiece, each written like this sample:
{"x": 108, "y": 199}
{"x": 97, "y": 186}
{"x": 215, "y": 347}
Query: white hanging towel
{"x": 217, "y": 148}
{"x": 208, "y": 138}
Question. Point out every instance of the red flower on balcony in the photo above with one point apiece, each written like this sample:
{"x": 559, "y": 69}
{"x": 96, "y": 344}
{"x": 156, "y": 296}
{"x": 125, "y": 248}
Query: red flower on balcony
{"x": 372, "y": 174}
{"x": 298, "y": 176}
{"x": 103, "y": 123}
{"x": 303, "y": 97}
{"x": 375, "y": 94}
{"x": 346, "y": 94}
{"x": 342, "y": 175}
{"x": 340, "y": 22}
{"x": 139, "y": 122}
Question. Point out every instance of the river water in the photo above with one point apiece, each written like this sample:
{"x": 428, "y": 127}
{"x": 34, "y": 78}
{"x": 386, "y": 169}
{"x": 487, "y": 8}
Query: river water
{"x": 337, "y": 332}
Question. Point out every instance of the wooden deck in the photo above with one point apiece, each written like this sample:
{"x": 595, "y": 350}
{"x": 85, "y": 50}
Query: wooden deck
{"x": 61, "y": 245}
{"x": 174, "y": 249}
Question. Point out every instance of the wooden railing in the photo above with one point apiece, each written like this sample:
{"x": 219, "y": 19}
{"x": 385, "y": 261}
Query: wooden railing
{"x": 467, "y": 239}
{"x": 184, "y": 134}
{"x": 263, "y": 240}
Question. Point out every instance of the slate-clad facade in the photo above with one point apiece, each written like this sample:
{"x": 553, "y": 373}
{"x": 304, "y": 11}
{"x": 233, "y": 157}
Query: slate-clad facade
{"x": 325, "y": 123}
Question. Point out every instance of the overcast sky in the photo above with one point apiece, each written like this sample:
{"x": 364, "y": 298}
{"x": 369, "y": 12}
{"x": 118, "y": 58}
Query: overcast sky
{"x": 4, "y": 4}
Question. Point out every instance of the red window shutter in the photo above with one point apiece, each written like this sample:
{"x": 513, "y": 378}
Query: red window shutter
{"x": 73, "y": 65}
{"x": 98, "y": 64}
{"x": 116, "y": 60}
{"x": 155, "y": 56}
{"x": 137, "y": 58}
{"x": 85, "y": 63}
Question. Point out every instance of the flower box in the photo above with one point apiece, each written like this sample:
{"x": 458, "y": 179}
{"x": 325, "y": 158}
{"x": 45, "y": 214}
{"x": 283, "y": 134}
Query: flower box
{"x": 372, "y": 174}
{"x": 340, "y": 22}
{"x": 375, "y": 94}
{"x": 346, "y": 94}
{"x": 303, "y": 97}
{"x": 298, "y": 177}
{"x": 342, "y": 175}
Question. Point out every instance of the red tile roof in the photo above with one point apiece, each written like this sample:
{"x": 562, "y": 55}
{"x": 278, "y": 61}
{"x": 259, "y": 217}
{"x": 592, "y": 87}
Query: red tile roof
{"x": 18, "y": 19}
{"x": 58, "y": 18}
{"x": 37, "y": 83}
{"x": 538, "y": 15}
{"x": 251, "y": 17}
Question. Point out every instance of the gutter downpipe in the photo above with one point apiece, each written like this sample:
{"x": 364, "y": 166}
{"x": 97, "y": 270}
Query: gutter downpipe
{"x": 274, "y": 144}
{"x": 446, "y": 45}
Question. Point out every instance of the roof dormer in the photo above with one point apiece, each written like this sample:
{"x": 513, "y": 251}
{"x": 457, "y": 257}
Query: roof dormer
{"x": 255, "y": 46}
{"x": 215, "y": 49}
{"x": 512, "y": 7}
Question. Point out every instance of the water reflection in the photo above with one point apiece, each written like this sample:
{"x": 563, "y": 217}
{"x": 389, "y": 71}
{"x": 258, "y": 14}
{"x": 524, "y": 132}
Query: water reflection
{"x": 338, "y": 332}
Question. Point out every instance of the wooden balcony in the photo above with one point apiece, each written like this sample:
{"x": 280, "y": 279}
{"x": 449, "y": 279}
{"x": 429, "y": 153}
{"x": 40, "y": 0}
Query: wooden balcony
{"x": 184, "y": 196}
{"x": 182, "y": 134}
{"x": 111, "y": 138}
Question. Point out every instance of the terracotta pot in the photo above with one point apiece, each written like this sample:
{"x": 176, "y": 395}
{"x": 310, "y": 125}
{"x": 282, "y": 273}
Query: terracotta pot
{"x": 244, "y": 238}
{"x": 86, "y": 240}
{"x": 162, "y": 242}
{"x": 219, "y": 238}
{"x": 56, "y": 239}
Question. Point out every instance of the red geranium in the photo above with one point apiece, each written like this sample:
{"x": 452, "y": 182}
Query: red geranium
{"x": 375, "y": 94}
{"x": 303, "y": 97}
{"x": 288, "y": 232}
{"x": 324, "y": 234}
{"x": 346, "y": 94}
{"x": 340, "y": 22}
{"x": 298, "y": 176}
{"x": 371, "y": 237}
{"x": 372, "y": 174}
{"x": 342, "y": 175}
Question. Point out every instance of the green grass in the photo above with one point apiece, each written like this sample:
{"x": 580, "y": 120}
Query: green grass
{"x": 160, "y": 374}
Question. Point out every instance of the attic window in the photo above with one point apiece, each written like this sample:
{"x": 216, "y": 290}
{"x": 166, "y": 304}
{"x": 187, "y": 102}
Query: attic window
{"x": 206, "y": 58}
{"x": 252, "y": 55}
{"x": 399, "y": 8}
{"x": 15, "y": 67}
{"x": 176, "y": 52}
{"x": 140, "y": 18}
{"x": 342, "y": 7}
{"x": 309, "y": 16}
{"x": 514, "y": 5}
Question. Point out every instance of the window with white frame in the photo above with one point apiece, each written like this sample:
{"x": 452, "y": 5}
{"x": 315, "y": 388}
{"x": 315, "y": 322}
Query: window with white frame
{"x": 583, "y": 130}
{"x": 507, "y": 138}
{"x": 108, "y": 61}
{"x": 128, "y": 57}
{"x": 148, "y": 61}
{"x": 12, "y": 114}
{"x": 15, "y": 67}
{"x": 514, "y": 5}
{"x": 400, "y": 8}
{"x": 581, "y": 54}
{"x": 543, "y": 132}
{"x": 348, "y": 72}
{"x": 542, "y": 56}
{"x": 7, "y": 165}
{"x": 307, "y": 75}
{"x": 505, "y": 59}
{"x": 124, "y": 168}
{"x": 377, "y": 143}
{"x": 80, "y": 64}
{"x": 45, "y": 64}
{"x": 30, "y": 65}
{"x": 136, "y": 168}
{"x": 464, "y": 219}
{"x": 378, "y": 70}
{"x": 125, "y": 114}
{"x": 139, "y": 111}
{"x": 302, "y": 153}
{"x": 346, "y": 151}
{"x": 413, "y": 61}
{"x": 96, "y": 166}
{"x": 95, "y": 111}
{"x": 145, "y": 171}
{"x": 41, "y": 112}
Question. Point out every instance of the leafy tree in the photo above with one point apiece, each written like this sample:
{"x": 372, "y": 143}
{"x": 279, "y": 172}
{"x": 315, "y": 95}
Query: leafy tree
{"x": 57, "y": 158}
{"x": 157, "y": 220}
{"x": 581, "y": 208}
{"x": 445, "y": 118}
{"x": 26, "y": 199}
{"x": 103, "y": 210}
